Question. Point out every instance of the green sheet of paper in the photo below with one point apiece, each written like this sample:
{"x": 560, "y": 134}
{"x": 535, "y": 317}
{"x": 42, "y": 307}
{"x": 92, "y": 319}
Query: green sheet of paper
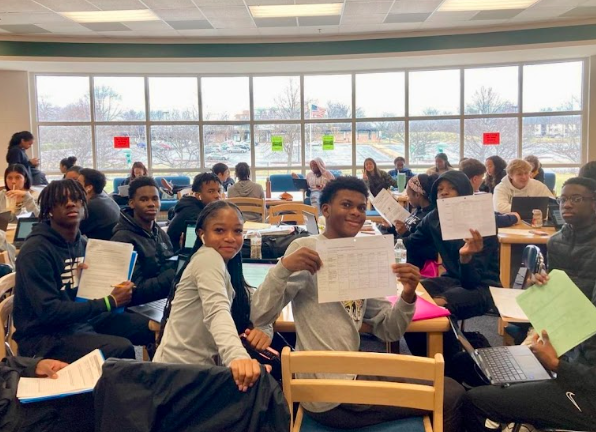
{"x": 277, "y": 143}
{"x": 560, "y": 308}
{"x": 328, "y": 142}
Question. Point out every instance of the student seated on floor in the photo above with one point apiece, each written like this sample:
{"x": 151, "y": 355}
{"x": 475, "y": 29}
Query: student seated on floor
{"x": 471, "y": 265}
{"x": 210, "y": 306}
{"x": 103, "y": 212}
{"x": 74, "y": 414}
{"x": 206, "y": 188}
{"x": 154, "y": 270}
{"x": 48, "y": 321}
{"x": 334, "y": 326}
{"x": 569, "y": 401}
{"x": 16, "y": 195}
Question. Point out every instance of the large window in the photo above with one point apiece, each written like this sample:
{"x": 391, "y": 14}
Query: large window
{"x": 278, "y": 123}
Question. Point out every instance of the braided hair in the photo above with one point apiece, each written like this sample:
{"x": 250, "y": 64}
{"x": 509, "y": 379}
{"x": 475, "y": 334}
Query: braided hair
{"x": 57, "y": 193}
{"x": 241, "y": 303}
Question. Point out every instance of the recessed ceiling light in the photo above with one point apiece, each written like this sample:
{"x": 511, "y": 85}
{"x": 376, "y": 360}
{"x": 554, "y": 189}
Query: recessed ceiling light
{"x": 474, "y": 5}
{"x": 303, "y": 10}
{"x": 112, "y": 16}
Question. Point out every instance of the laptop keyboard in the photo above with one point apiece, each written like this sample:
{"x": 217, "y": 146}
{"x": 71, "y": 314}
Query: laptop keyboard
{"x": 159, "y": 305}
{"x": 502, "y": 365}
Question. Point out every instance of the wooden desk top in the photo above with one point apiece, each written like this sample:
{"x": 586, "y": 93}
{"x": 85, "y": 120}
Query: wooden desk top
{"x": 285, "y": 322}
{"x": 520, "y": 234}
{"x": 10, "y": 232}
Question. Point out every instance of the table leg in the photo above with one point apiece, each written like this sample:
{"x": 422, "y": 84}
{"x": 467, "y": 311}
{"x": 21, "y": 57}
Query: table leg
{"x": 505, "y": 265}
{"x": 434, "y": 341}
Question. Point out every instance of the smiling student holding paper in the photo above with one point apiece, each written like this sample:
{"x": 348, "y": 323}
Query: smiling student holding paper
{"x": 334, "y": 326}
{"x": 49, "y": 323}
{"x": 569, "y": 401}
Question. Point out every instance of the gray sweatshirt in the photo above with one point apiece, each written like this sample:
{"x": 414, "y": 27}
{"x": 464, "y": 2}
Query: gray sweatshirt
{"x": 324, "y": 326}
{"x": 247, "y": 189}
{"x": 28, "y": 204}
{"x": 200, "y": 327}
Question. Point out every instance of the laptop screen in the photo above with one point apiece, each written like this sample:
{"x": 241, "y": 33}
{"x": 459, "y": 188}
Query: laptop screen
{"x": 181, "y": 261}
{"x": 24, "y": 227}
{"x": 190, "y": 235}
{"x": 254, "y": 273}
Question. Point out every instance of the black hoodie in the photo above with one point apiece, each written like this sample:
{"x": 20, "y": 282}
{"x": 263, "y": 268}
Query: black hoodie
{"x": 47, "y": 283}
{"x": 187, "y": 209}
{"x": 154, "y": 271}
{"x": 483, "y": 270}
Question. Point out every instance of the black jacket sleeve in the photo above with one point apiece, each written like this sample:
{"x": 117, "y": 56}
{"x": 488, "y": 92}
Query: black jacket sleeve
{"x": 420, "y": 245}
{"x": 45, "y": 298}
{"x": 175, "y": 230}
{"x": 25, "y": 366}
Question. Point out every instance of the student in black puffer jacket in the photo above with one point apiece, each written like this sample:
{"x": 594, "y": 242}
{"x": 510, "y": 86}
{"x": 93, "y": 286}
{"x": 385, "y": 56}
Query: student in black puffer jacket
{"x": 154, "y": 270}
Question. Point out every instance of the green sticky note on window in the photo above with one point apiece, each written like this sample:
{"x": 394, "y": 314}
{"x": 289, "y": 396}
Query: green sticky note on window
{"x": 328, "y": 142}
{"x": 277, "y": 143}
{"x": 560, "y": 308}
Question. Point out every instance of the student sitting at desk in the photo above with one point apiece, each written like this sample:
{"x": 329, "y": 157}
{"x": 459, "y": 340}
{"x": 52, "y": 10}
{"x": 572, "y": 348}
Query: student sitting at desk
{"x": 401, "y": 168}
{"x": 334, "y": 326}
{"x": 16, "y": 195}
{"x": 569, "y": 401}
{"x": 471, "y": 265}
{"x": 72, "y": 173}
{"x": 154, "y": 270}
{"x": 376, "y": 179}
{"x": 245, "y": 188}
{"x": 48, "y": 321}
{"x": 518, "y": 183}
{"x": 317, "y": 178}
{"x": 210, "y": 306}
{"x": 206, "y": 188}
{"x": 103, "y": 212}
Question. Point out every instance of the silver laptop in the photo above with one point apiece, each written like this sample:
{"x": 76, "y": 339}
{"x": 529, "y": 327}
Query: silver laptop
{"x": 311, "y": 224}
{"x": 505, "y": 364}
{"x": 123, "y": 191}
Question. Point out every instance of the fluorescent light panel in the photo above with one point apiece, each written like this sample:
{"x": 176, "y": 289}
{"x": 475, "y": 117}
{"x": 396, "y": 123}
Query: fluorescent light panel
{"x": 475, "y": 5}
{"x": 111, "y": 16}
{"x": 303, "y": 10}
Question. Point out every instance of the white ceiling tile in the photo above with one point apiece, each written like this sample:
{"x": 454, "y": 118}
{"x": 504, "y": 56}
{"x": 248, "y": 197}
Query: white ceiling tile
{"x": 147, "y": 26}
{"x": 533, "y": 14}
{"x": 276, "y": 22}
{"x": 157, "y": 34}
{"x": 361, "y": 28}
{"x": 452, "y": 16}
{"x": 21, "y": 6}
{"x": 107, "y": 27}
{"x": 67, "y": 5}
{"x": 401, "y": 26}
{"x": 198, "y": 33}
{"x": 363, "y": 19}
{"x": 366, "y": 8}
{"x": 169, "y": 4}
{"x": 190, "y": 25}
{"x": 268, "y": 2}
{"x": 31, "y": 18}
{"x": 418, "y": 6}
{"x": 65, "y": 28}
{"x": 185, "y": 14}
{"x": 201, "y": 3}
{"x": 404, "y": 18}
{"x": 318, "y": 1}
{"x": 557, "y": 3}
{"x": 118, "y": 4}
{"x": 219, "y": 23}
{"x": 282, "y": 31}
{"x": 326, "y": 30}
{"x": 239, "y": 32}
{"x": 233, "y": 12}
{"x": 23, "y": 29}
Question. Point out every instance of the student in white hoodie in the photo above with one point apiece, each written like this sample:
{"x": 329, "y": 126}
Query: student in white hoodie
{"x": 334, "y": 326}
{"x": 16, "y": 195}
{"x": 518, "y": 183}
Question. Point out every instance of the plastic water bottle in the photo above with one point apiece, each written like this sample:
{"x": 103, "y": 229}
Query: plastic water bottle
{"x": 401, "y": 254}
{"x": 255, "y": 245}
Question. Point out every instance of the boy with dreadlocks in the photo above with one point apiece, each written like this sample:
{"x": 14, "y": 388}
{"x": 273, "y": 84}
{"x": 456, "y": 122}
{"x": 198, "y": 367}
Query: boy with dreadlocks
{"x": 49, "y": 323}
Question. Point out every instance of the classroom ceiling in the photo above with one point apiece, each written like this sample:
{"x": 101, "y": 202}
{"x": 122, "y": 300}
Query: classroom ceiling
{"x": 194, "y": 19}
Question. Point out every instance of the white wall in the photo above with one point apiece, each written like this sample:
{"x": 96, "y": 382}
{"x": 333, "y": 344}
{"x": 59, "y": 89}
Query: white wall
{"x": 14, "y": 110}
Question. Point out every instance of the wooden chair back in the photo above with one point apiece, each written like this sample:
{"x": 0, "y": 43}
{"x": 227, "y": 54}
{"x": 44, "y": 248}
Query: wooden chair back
{"x": 251, "y": 205}
{"x": 8, "y": 346}
{"x": 291, "y": 212}
{"x": 426, "y": 397}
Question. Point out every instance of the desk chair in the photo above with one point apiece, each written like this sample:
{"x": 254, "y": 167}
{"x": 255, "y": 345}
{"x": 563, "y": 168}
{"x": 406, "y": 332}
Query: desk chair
{"x": 251, "y": 205}
{"x": 8, "y": 346}
{"x": 291, "y": 212}
{"x": 7, "y": 283}
{"x": 365, "y": 392}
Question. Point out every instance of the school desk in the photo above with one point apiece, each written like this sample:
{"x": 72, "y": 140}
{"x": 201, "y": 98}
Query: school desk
{"x": 518, "y": 235}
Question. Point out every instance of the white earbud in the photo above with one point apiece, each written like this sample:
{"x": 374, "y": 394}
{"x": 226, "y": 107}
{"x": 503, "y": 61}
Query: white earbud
{"x": 203, "y": 239}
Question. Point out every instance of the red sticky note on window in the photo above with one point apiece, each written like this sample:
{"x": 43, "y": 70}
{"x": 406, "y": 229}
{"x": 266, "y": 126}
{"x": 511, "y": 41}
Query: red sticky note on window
{"x": 122, "y": 142}
{"x": 491, "y": 138}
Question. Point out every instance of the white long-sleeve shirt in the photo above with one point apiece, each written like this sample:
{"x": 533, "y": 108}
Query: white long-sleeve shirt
{"x": 505, "y": 191}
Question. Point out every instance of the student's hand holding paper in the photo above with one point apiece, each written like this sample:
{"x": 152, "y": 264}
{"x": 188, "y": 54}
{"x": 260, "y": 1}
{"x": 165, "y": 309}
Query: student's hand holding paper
{"x": 545, "y": 352}
{"x": 257, "y": 339}
{"x": 302, "y": 259}
{"x": 245, "y": 372}
{"x": 49, "y": 367}
{"x": 400, "y": 227}
{"x": 122, "y": 293}
{"x": 409, "y": 276}
{"x": 540, "y": 278}
{"x": 472, "y": 246}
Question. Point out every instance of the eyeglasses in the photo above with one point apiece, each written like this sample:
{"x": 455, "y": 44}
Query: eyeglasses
{"x": 574, "y": 199}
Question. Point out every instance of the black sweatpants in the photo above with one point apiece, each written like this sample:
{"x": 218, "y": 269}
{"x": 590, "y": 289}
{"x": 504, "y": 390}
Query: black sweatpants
{"x": 73, "y": 414}
{"x": 545, "y": 404}
{"x": 461, "y": 302}
{"x": 114, "y": 334}
{"x": 351, "y": 416}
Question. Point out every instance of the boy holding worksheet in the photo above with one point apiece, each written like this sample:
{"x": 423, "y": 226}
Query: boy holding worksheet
{"x": 335, "y": 325}
{"x": 569, "y": 401}
{"x": 48, "y": 321}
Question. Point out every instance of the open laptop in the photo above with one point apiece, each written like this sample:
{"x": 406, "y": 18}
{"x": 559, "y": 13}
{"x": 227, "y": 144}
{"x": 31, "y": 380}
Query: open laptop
{"x": 505, "y": 364}
{"x": 24, "y": 227}
{"x": 555, "y": 218}
{"x": 524, "y": 206}
{"x": 254, "y": 273}
{"x": 4, "y": 220}
{"x": 311, "y": 223}
{"x": 300, "y": 184}
{"x": 190, "y": 237}
{"x": 154, "y": 310}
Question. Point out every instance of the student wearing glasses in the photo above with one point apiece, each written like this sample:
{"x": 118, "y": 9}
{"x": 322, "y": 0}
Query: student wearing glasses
{"x": 569, "y": 401}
